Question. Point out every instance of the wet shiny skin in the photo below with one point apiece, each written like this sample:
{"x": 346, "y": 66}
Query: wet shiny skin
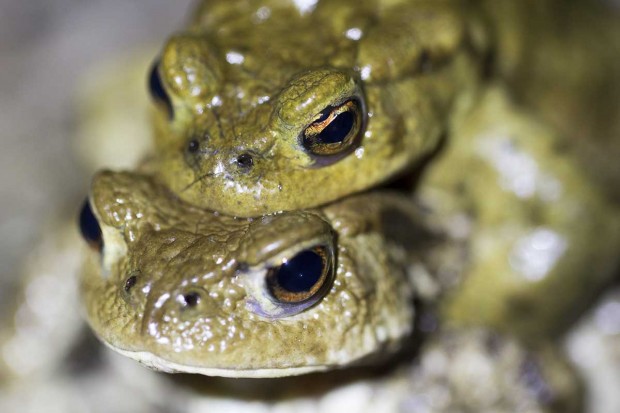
{"x": 246, "y": 81}
{"x": 534, "y": 222}
{"x": 182, "y": 289}
{"x": 249, "y": 79}
{"x": 240, "y": 106}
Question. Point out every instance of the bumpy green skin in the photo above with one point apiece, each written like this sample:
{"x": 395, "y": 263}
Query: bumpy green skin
{"x": 170, "y": 246}
{"x": 260, "y": 105}
{"x": 412, "y": 66}
{"x": 224, "y": 107}
{"x": 247, "y": 77}
{"x": 236, "y": 330}
{"x": 162, "y": 243}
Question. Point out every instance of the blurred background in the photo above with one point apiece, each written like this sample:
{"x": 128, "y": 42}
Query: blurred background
{"x": 47, "y": 49}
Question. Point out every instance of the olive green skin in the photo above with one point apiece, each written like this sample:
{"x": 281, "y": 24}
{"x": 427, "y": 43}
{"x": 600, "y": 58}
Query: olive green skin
{"x": 543, "y": 239}
{"x": 481, "y": 250}
{"x": 246, "y": 78}
{"x": 493, "y": 293}
{"x": 412, "y": 66}
{"x": 499, "y": 221}
{"x": 465, "y": 181}
{"x": 147, "y": 228}
{"x": 559, "y": 61}
{"x": 383, "y": 241}
{"x": 238, "y": 328}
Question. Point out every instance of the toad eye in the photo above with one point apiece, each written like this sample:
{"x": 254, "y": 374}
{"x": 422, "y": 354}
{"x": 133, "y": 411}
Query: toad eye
{"x": 336, "y": 129}
{"x": 157, "y": 90}
{"x": 301, "y": 278}
{"x": 89, "y": 227}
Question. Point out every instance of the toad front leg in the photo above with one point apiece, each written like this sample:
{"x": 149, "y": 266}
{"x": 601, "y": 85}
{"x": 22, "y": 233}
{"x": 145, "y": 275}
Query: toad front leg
{"x": 544, "y": 239}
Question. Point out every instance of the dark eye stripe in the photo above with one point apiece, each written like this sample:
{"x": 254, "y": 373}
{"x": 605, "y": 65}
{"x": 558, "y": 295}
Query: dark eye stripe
{"x": 157, "y": 90}
{"x": 89, "y": 227}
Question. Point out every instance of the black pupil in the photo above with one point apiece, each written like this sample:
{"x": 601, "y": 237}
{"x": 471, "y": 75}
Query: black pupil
{"x": 300, "y": 273}
{"x": 89, "y": 227}
{"x": 338, "y": 129}
{"x": 157, "y": 89}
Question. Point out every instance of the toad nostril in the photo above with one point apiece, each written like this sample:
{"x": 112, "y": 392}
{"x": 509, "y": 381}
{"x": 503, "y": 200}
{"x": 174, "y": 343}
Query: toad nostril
{"x": 193, "y": 146}
{"x": 191, "y": 299}
{"x": 244, "y": 162}
{"x": 130, "y": 282}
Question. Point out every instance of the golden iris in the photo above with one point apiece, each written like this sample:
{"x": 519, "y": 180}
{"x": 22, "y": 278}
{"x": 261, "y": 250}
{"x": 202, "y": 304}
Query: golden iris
{"x": 301, "y": 277}
{"x": 335, "y": 129}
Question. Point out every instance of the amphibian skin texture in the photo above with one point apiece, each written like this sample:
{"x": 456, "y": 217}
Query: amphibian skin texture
{"x": 543, "y": 238}
{"x": 269, "y": 106}
{"x": 252, "y": 99}
{"x": 535, "y": 223}
{"x": 184, "y": 290}
{"x": 508, "y": 377}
